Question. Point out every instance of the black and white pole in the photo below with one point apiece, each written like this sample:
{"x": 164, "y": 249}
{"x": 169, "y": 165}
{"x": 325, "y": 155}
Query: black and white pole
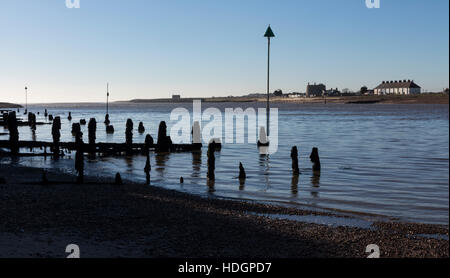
{"x": 26, "y": 99}
{"x": 269, "y": 34}
{"x": 107, "y": 98}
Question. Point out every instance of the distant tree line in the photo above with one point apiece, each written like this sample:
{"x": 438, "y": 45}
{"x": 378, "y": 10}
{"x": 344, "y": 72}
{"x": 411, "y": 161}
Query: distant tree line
{"x": 278, "y": 93}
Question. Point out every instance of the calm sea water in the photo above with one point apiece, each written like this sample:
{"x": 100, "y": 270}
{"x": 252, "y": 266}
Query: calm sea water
{"x": 390, "y": 160}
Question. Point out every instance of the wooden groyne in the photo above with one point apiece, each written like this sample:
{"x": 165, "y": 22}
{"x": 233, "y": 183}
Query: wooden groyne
{"x": 31, "y": 120}
{"x": 102, "y": 148}
{"x": 24, "y": 123}
{"x": 164, "y": 143}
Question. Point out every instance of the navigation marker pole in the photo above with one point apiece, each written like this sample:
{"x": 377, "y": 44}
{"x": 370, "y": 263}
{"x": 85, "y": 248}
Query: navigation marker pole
{"x": 26, "y": 100}
{"x": 269, "y": 34}
{"x": 107, "y": 98}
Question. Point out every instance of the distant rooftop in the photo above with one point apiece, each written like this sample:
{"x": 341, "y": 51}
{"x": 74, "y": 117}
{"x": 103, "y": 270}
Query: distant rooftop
{"x": 397, "y": 84}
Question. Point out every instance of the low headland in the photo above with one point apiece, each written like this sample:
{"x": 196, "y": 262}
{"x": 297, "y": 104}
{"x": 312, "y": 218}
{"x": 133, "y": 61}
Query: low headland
{"x": 9, "y": 105}
{"x": 425, "y": 98}
{"x": 135, "y": 220}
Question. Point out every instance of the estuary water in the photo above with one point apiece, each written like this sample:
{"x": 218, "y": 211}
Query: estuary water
{"x": 388, "y": 160}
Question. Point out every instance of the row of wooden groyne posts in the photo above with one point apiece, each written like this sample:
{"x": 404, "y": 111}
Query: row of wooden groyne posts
{"x": 164, "y": 144}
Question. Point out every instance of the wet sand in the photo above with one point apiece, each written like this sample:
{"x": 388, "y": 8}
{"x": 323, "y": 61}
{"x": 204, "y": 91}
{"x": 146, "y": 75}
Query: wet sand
{"x": 135, "y": 220}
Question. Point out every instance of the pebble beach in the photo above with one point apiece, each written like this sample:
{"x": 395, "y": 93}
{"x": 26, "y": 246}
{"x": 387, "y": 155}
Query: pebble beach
{"x": 140, "y": 221}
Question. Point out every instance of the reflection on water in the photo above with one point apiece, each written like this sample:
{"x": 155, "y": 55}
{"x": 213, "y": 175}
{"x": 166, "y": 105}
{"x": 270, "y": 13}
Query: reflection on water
{"x": 211, "y": 185}
{"x": 294, "y": 185}
{"x": 315, "y": 182}
{"x": 129, "y": 162}
{"x": 315, "y": 179}
{"x": 241, "y": 184}
{"x": 196, "y": 164}
{"x": 92, "y": 156}
{"x": 160, "y": 160}
{"x": 264, "y": 168}
{"x": 383, "y": 159}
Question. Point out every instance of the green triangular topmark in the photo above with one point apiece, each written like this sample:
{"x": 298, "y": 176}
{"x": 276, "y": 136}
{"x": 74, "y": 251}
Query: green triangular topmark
{"x": 269, "y": 33}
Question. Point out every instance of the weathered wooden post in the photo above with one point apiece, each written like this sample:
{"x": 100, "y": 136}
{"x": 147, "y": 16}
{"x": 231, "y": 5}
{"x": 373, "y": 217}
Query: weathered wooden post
{"x": 181, "y": 180}
{"x": 148, "y": 143}
{"x": 5, "y": 119}
{"x": 129, "y": 136}
{"x": 45, "y": 113}
{"x": 56, "y": 134}
{"x": 294, "y": 157}
{"x": 216, "y": 143}
{"x": 79, "y": 157}
{"x": 83, "y": 122}
{"x": 242, "y": 177}
{"x": 315, "y": 159}
{"x": 32, "y": 121}
{"x": 32, "y": 124}
{"x": 109, "y": 129}
{"x": 70, "y": 116}
{"x": 164, "y": 142}
{"x": 13, "y": 133}
{"x": 92, "y": 128}
{"x": 295, "y": 171}
{"x": 107, "y": 121}
{"x": 162, "y": 132}
{"x": 211, "y": 162}
{"x": 147, "y": 169}
{"x": 50, "y": 117}
{"x": 141, "y": 128}
{"x": 118, "y": 179}
{"x": 242, "y": 174}
{"x": 76, "y": 127}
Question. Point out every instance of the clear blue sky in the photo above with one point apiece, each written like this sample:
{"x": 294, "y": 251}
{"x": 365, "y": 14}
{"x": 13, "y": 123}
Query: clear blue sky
{"x": 151, "y": 49}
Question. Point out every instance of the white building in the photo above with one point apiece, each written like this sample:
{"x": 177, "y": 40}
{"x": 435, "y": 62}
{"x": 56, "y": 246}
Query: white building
{"x": 296, "y": 95}
{"x": 405, "y": 87}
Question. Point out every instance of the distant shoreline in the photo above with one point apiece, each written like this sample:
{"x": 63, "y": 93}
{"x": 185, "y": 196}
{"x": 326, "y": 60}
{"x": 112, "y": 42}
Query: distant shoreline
{"x": 395, "y": 99}
{"x": 427, "y": 98}
{"x": 9, "y": 105}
